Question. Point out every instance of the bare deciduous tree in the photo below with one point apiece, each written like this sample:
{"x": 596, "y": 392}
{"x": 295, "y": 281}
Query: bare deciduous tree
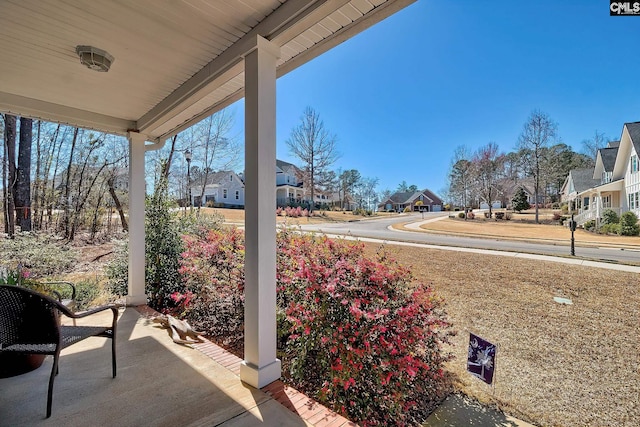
{"x": 538, "y": 132}
{"x": 460, "y": 176}
{"x": 217, "y": 150}
{"x": 488, "y": 165}
{"x": 591, "y": 146}
{"x": 312, "y": 144}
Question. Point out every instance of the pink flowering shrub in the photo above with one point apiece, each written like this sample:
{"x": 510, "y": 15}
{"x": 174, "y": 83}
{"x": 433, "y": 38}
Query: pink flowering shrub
{"x": 292, "y": 212}
{"x": 357, "y": 334}
{"x": 362, "y": 337}
{"x": 213, "y": 271}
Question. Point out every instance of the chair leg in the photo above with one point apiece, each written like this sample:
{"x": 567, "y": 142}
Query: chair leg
{"x": 113, "y": 347}
{"x": 113, "y": 355}
{"x": 54, "y": 372}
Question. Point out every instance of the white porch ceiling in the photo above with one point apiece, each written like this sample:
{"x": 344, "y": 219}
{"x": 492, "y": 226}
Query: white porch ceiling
{"x": 176, "y": 61}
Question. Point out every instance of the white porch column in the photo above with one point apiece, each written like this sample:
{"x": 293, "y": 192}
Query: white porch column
{"x": 260, "y": 366}
{"x": 136, "y": 294}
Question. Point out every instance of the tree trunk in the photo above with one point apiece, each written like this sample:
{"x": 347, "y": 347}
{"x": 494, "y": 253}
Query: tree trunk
{"x": 51, "y": 198}
{"x": 67, "y": 188}
{"x": 37, "y": 188}
{"x": 116, "y": 201}
{"x": 23, "y": 182}
{"x": 10, "y": 145}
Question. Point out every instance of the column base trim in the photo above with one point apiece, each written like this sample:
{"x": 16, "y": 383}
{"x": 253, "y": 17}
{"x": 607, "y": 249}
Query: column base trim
{"x": 134, "y": 300}
{"x": 260, "y": 377}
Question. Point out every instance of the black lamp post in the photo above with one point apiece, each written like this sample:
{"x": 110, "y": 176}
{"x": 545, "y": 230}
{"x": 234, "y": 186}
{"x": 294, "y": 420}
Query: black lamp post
{"x": 187, "y": 157}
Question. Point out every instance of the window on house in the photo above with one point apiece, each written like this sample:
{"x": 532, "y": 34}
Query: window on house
{"x": 634, "y": 164}
{"x": 634, "y": 201}
{"x": 224, "y": 193}
{"x": 230, "y": 177}
{"x": 237, "y": 195}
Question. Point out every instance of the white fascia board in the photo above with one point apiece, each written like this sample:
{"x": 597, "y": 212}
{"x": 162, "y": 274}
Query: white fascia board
{"x": 624, "y": 153}
{"x": 373, "y": 17}
{"x": 43, "y": 110}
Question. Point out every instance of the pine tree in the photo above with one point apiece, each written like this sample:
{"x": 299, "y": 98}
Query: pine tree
{"x": 519, "y": 201}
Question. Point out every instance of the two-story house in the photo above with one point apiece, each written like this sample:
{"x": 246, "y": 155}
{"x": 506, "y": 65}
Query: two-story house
{"x": 223, "y": 189}
{"x": 289, "y": 185}
{"x": 617, "y": 173}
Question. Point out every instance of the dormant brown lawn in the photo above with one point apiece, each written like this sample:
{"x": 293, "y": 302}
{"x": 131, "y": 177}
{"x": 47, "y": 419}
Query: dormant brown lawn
{"x": 557, "y": 365}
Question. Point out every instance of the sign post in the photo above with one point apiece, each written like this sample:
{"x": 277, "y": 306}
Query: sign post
{"x": 572, "y": 227}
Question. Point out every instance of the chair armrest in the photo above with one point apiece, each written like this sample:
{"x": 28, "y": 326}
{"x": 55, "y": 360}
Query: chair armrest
{"x": 81, "y": 314}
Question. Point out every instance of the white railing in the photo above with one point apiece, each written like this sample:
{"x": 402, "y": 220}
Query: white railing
{"x": 589, "y": 214}
{"x": 585, "y": 216}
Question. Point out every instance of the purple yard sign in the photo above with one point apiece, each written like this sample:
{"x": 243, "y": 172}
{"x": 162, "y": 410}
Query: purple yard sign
{"x": 481, "y": 360}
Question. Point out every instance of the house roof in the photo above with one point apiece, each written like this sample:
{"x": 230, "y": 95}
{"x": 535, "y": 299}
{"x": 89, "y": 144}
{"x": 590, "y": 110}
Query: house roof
{"x": 583, "y": 179}
{"x": 629, "y": 140}
{"x": 634, "y": 133}
{"x": 509, "y": 186}
{"x": 219, "y": 177}
{"x": 608, "y": 156}
{"x": 176, "y": 62}
{"x": 409, "y": 196}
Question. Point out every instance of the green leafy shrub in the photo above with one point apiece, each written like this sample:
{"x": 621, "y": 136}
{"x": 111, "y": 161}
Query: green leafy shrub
{"x": 564, "y": 209}
{"x": 609, "y": 216}
{"x": 163, "y": 247}
{"x": 461, "y": 215}
{"x": 117, "y": 270}
{"x": 589, "y": 225}
{"x": 610, "y": 229}
{"x": 629, "y": 224}
{"x": 499, "y": 215}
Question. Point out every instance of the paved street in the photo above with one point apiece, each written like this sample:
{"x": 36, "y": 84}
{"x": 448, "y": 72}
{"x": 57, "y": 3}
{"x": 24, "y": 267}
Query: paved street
{"x": 380, "y": 229}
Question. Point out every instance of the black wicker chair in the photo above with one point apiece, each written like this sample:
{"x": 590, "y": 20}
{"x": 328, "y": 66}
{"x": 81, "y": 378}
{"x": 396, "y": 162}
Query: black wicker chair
{"x": 30, "y": 324}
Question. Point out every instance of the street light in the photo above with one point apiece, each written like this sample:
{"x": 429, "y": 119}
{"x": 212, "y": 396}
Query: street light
{"x": 187, "y": 157}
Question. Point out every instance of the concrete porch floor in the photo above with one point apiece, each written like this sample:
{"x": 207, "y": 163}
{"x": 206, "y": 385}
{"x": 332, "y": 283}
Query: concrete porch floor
{"x": 158, "y": 383}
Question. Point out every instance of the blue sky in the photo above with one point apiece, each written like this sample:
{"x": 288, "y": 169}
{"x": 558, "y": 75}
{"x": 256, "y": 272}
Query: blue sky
{"x": 402, "y": 95}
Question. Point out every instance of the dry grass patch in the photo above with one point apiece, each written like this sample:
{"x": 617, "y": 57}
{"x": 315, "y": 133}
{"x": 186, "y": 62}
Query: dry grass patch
{"x": 525, "y": 230}
{"x": 557, "y": 365}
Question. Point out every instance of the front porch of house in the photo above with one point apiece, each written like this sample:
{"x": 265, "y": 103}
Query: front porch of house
{"x": 158, "y": 383}
{"x": 591, "y": 204}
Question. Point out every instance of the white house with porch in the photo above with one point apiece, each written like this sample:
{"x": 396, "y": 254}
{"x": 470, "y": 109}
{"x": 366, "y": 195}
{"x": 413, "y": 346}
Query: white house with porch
{"x": 618, "y": 172}
{"x": 148, "y": 69}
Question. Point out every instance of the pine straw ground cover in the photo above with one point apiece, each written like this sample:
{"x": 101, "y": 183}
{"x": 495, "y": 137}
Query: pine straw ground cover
{"x": 557, "y": 365}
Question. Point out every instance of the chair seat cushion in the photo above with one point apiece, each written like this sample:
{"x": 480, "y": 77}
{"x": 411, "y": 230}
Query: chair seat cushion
{"x": 74, "y": 334}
